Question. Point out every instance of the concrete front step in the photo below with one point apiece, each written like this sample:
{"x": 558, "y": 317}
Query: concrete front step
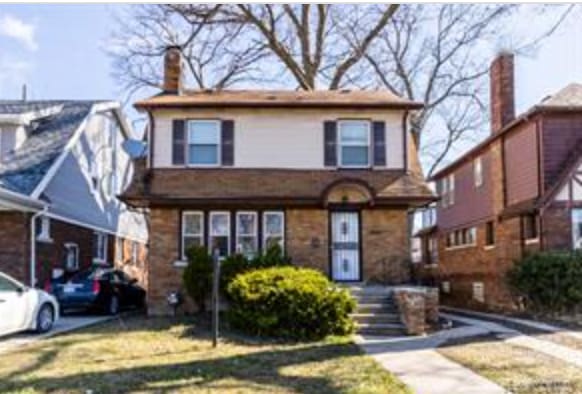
{"x": 376, "y": 308}
{"x": 373, "y": 299}
{"x": 380, "y": 329}
{"x": 372, "y": 318}
{"x": 370, "y": 290}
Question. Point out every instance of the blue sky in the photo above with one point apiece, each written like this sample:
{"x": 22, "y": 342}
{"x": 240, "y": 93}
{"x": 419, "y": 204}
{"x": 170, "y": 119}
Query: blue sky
{"x": 57, "y": 51}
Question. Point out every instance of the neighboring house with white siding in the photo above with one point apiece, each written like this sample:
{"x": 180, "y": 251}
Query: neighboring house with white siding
{"x": 328, "y": 175}
{"x": 61, "y": 168}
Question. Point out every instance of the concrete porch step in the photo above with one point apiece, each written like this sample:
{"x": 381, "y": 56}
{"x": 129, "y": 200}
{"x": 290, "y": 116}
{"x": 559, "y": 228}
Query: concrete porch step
{"x": 376, "y": 308}
{"x": 374, "y": 299}
{"x": 371, "y": 290}
{"x": 380, "y": 329}
{"x": 373, "y": 318}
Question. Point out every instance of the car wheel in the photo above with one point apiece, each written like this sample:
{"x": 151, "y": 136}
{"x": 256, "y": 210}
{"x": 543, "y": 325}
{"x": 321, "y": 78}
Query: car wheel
{"x": 45, "y": 319}
{"x": 113, "y": 308}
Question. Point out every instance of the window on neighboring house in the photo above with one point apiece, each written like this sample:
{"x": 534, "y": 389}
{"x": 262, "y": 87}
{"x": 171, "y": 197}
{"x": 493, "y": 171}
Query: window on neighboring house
{"x": 99, "y": 247}
{"x": 354, "y": 143}
{"x": 469, "y": 236}
{"x": 204, "y": 142}
{"x": 219, "y": 233}
{"x": 489, "y": 234}
{"x": 478, "y": 172}
{"x": 246, "y": 233}
{"x": 273, "y": 229}
{"x": 530, "y": 227}
{"x": 433, "y": 248}
{"x": 134, "y": 252}
{"x": 119, "y": 250}
{"x": 192, "y": 231}
{"x": 71, "y": 257}
{"x": 577, "y": 228}
{"x": 448, "y": 190}
{"x": 43, "y": 232}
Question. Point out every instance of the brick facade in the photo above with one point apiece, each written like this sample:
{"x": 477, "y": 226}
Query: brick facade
{"x": 14, "y": 244}
{"x": 51, "y": 253}
{"x": 384, "y": 246}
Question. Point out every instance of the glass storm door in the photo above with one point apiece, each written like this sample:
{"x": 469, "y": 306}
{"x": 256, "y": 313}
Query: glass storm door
{"x": 345, "y": 246}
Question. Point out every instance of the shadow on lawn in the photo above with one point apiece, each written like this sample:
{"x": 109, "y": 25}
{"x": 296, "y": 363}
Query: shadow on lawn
{"x": 248, "y": 370}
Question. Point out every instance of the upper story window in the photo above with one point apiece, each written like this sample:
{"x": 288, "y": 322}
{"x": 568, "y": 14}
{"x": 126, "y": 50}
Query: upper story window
{"x": 448, "y": 190}
{"x": 99, "y": 247}
{"x": 204, "y": 142}
{"x": 478, "y": 172}
{"x": 354, "y": 143}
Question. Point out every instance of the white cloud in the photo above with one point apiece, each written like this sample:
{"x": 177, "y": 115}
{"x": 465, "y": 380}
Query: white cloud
{"x": 11, "y": 26}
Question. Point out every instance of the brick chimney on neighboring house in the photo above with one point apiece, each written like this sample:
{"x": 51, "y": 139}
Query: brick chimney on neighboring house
{"x": 172, "y": 70}
{"x": 502, "y": 91}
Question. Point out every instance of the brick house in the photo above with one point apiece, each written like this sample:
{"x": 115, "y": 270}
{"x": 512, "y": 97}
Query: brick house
{"x": 329, "y": 175}
{"x": 61, "y": 167}
{"x": 518, "y": 191}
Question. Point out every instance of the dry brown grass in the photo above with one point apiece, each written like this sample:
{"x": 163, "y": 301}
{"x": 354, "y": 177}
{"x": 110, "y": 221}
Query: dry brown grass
{"x": 163, "y": 355}
{"x": 520, "y": 370}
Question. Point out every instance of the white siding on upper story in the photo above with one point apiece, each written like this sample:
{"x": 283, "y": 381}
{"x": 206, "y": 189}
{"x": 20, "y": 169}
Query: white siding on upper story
{"x": 572, "y": 187}
{"x": 277, "y": 138}
{"x": 98, "y": 153}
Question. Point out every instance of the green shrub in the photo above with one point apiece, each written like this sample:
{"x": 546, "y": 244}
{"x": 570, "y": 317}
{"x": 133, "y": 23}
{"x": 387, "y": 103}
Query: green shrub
{"x": 197, "y": 277}
{"x": 549, "y": 281}
{"x": 289, "y": 302}
{"x": 237, "y": 264}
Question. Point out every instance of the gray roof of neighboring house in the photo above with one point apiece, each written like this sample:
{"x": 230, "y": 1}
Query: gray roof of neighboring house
{"x": 570, "y": 96}
{"x": 25, "y": 168}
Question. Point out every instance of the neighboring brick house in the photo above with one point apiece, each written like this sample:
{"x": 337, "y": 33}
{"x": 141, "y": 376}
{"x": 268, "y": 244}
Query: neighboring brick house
{"x": 329, "y": 175}
{"x": 61, "y": 167}
{"x": 518, "y": 191}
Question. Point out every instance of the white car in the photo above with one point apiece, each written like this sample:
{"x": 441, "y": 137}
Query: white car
{"x": 24, "y": 308}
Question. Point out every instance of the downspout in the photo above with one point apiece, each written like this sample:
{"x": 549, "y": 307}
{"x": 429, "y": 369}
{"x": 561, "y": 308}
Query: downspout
{"x": 33, "y": 244}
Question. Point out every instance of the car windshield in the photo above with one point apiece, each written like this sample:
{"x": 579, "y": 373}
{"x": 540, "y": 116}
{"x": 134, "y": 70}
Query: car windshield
{"x": 94, "y": 274}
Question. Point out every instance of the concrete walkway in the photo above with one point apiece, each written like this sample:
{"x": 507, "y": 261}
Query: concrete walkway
{"x": 418, "y": 365}
{"x": 63, "y": 325}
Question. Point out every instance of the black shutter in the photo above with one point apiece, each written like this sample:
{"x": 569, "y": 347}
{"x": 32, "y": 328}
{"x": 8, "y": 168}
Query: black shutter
{"x": 330, "y": 143}
{"x": 379, "y": 143}
{"x": 178, "y": 142}
{"x": 227, "y": 143}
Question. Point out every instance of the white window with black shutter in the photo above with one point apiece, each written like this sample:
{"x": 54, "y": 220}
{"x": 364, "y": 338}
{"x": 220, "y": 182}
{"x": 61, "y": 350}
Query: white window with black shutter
{"x": 202, "y": 142}
{"x": 354, "y": 143}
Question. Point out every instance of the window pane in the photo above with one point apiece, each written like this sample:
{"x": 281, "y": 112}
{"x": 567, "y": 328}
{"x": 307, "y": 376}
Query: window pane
{"x": 273, "y": 223}
{"x": 354, "y": 132}
{"x": 247, "y": 245}
{"x": 246, "y": 224}
{"x": 219, "y": 224}
{"x": 192, "y": 224}
{"x": 355, "y": 155}
{"x": 203, "y": 132}
{"x": 221, "y": 243}
{"x": 203, "y": 154}
{"x": 188, "y": 243}
{"x": 273, "y": 240}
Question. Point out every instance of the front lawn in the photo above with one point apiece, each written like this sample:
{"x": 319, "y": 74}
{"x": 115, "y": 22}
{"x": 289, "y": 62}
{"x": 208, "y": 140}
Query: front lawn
{"x": 174, "y": 355}
{"x": 519, "y": 370}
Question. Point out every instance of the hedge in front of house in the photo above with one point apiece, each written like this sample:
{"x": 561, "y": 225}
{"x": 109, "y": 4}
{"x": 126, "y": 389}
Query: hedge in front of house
{"x": 289, "y": 302}
{"x": 549, "y": 281}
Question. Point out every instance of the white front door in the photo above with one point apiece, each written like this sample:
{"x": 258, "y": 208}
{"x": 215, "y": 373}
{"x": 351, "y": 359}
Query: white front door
{"x": 345, "y": 246}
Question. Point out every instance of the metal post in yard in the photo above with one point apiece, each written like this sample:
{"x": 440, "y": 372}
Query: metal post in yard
{"x": 215, "y": 301}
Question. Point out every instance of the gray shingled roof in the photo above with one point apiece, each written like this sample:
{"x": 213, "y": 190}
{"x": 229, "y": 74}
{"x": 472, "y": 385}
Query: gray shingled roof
{"x": 570, "y": 96}
{"x": 23, "y": 170}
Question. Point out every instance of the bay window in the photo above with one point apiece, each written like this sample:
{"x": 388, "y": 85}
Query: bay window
{"x": 354, "y": 143}
{"x": 192, "y": 230}
{"x": 246, "y": 233}
{"x": 219, "y": 233}
{"x": 203, "y": 142}
{"x": 273, "y": 229}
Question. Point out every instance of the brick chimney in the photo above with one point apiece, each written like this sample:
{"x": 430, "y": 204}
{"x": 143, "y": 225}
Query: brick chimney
{"x": 172, "y": 70}
{"x": 502, "y": 91}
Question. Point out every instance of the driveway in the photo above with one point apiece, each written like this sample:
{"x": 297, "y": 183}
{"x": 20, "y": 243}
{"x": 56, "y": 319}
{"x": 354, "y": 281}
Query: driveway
{"x": 64, "y": 324}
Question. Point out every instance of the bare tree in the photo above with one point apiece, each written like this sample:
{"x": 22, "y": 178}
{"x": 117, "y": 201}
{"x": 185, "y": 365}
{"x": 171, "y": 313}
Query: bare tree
{"x": 440, "y": 55}
{"x": 316, "y": 45}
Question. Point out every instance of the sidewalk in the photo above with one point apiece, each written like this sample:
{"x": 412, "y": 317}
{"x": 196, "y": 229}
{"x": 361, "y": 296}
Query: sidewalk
{"x": 416, "y": 362}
